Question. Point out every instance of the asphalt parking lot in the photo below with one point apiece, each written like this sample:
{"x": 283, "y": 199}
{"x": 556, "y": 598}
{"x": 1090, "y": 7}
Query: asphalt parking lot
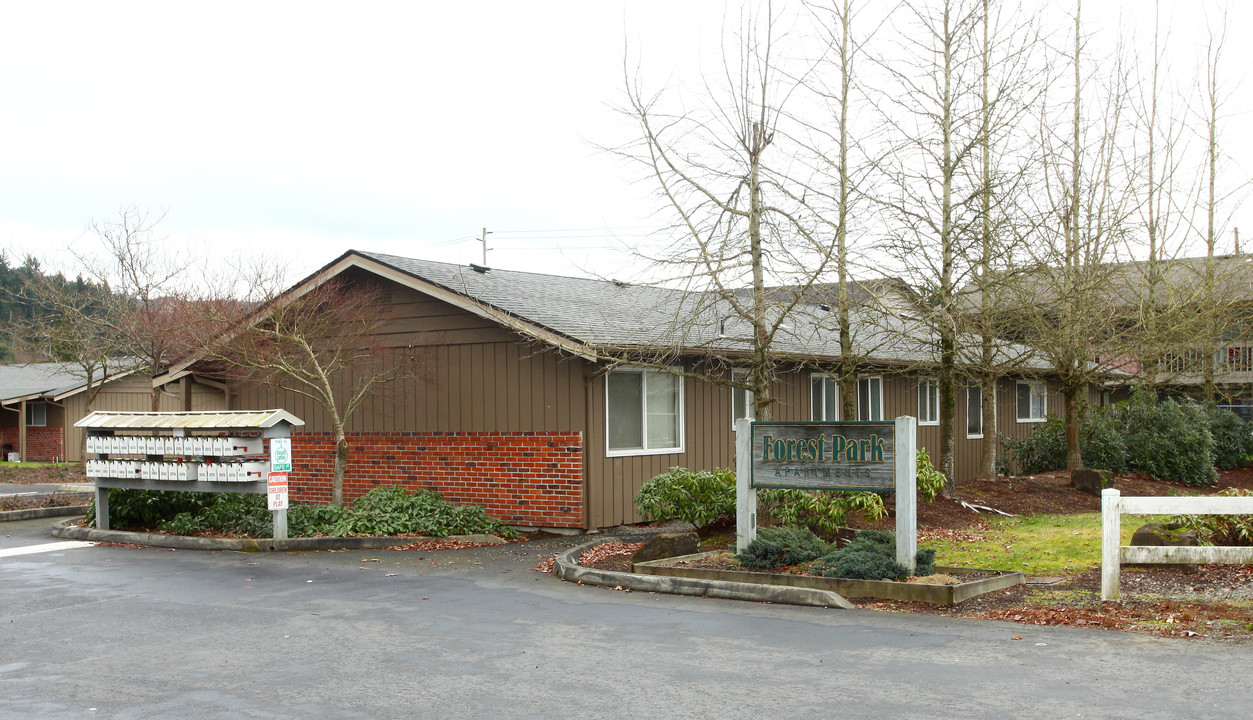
{"x": 113, "y": 632}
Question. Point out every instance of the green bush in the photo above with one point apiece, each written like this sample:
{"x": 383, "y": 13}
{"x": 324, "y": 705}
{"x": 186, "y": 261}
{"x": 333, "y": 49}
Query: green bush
{"x": 1169, "y": 440}
{"x": 924, "y": 562}
{"x": 1233, "y": 438}
{"x": 860, "y": 565}
{"x": 777, "y": 547}
{"x": 871, "y": 555}
{"x": 823, "y": 511}
{"x": 700, "y": 498}
{"x": 930, "y": 480}
{"x": 393, "y": 511}
{"x": 382, "y": 511}
{"x": 1221, "y": 530}
{"x": 1101, "y": 442}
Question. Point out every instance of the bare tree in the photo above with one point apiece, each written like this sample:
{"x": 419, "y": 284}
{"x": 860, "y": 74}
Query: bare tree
{"x": 1072, "y": 306}
{"x": 152, "y": 313}
{"x": 933, "y": 194}
{"x": 745, "y": 246}
{"x": 323, "y": 344}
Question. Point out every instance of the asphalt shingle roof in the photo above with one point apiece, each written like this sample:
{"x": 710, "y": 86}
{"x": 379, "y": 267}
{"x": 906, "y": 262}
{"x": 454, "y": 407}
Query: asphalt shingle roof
{"x": 22, "y": 380}
{"x": 608, "y": 314}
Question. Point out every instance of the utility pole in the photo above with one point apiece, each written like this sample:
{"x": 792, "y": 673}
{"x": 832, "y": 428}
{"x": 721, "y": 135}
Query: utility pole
{"x": 484, "y": 240}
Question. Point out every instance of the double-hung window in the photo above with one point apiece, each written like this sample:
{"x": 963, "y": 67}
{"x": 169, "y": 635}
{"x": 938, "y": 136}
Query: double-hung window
{"x": 928, "y": 402}
{"x": 974, "y": 412}
{"x": 824, "y": 398}
{"x": 643, "y": 412}
{"x": 1032, "y": 401}
{"x": 741, "y": 399}
{"x": 870, "y": 398}
{"x": 36, "y": 415}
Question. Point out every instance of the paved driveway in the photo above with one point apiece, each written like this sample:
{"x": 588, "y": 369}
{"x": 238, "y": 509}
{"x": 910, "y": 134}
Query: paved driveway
{"x": 99, "y": 632}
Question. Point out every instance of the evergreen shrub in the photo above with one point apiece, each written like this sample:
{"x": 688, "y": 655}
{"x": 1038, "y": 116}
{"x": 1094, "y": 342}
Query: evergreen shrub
{"x": 930, "y": 480}
{"x": 776, "y": 547}
{"x": 871, "y": 555}
{"x": 700, "y": 498}
{"x": 822, "y": 511}
{"x": 1233, "y": 438}
{"x": 1169, "y": 440}
{"x": 1221, "y": 530}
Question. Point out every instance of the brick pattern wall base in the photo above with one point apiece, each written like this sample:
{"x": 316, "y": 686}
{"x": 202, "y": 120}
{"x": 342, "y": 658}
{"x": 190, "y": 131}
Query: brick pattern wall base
{"x": 43, "y": 444}
{"x": 532, "y": 479}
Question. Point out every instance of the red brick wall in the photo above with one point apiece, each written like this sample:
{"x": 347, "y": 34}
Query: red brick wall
{"x": 524, "y": 478}
{"x": 43, "y": 444}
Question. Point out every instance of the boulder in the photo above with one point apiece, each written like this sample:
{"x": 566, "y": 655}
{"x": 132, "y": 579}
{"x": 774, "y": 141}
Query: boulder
{"x": 1154, "y": 534}
{"x": 1092, "y": 481}
{"x": 667, "y": 545}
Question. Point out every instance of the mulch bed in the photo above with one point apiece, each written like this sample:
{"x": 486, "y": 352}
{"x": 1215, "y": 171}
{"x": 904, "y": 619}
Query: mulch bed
{"x": 33, "y": 475}
{"x": 1208, "y": 601}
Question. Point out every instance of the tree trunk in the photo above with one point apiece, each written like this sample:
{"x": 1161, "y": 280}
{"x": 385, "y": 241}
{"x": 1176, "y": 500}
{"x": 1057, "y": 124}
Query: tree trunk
{"x": 1074, "y": 410}
{"x": 341, "y": 466}
{"x": 987, "y": 459}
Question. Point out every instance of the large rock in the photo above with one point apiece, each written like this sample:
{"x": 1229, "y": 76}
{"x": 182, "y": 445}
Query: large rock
{"x": 1092, "y": 481}
{"x": 1156, "y": 534}
{"x": 666, "y": 545}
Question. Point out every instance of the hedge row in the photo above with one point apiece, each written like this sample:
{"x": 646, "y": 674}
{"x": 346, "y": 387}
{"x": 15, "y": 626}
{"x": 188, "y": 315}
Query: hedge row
{"x": 1169, "y": 440}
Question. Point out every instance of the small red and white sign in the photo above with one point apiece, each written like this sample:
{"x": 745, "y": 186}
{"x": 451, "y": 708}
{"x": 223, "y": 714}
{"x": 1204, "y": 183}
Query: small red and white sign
{"x": 276, "y": 491}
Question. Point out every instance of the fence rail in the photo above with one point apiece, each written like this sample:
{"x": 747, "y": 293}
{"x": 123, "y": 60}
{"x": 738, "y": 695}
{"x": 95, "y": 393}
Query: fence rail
{"x": 1114, "y": 553}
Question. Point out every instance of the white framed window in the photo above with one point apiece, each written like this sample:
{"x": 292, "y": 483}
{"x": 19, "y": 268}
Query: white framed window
{"x": 741, "y": 399}
{"x": 870, "y": 398}
{"x": 1032, "y": 401}
{"x": 928, "y": 402}
{"x": 824, "y": 398}
{"x": 643, "y": 412}
{"x": 36, "y": 415}
{"x": 974, "y": 412}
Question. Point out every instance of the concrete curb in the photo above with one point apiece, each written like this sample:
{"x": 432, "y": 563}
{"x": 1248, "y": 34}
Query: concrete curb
{"x": 65, "y": 529}
{"x": 567, "y": 568}
{"x": 45, "y": 512}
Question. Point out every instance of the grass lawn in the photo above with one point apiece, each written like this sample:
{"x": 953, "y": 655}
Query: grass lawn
{"x": 35, "y": 464}
{"x": 1035, "y": 544}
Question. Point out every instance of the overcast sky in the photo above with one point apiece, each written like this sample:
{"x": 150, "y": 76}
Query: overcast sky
{"x": 305, "y": 129}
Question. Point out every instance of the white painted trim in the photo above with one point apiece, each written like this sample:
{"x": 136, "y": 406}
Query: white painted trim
{"x": 859, "y": 380}
{"x": 826, "y": 377}
{"x": 682, "y": 412}
{"x": 749, "y": 397}
{"x": 921, "y": 382}
{"x": 1044, "y": 391}
{"x": 980, "y": 389}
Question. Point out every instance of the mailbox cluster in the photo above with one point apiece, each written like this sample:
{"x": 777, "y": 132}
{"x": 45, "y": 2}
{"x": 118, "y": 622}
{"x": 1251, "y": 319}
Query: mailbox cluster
{"x": 194, "y": 445}
{"x": 179, "y": 470}
{"x": 228, "y": 455}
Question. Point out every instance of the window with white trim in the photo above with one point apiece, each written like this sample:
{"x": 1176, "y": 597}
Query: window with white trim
{"x": 824, "y": 398}
{"x": 928, "y": 402}
{"x": 974, "y": 412}
{"x": 741, "y": 399}
{"x": 870, "y": 398}
{"x": 36, "y": 415}
{"x": 1032, "y": 401}
{"x": 643, "y": 412}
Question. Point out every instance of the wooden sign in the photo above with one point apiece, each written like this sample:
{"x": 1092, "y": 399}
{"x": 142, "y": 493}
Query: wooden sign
{"x": 824, "y": 456}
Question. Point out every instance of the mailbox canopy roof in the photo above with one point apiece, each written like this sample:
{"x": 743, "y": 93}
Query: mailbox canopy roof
{"x": 206, "y": 420}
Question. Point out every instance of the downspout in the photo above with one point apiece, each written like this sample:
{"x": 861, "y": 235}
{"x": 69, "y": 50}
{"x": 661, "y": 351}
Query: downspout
{"x": 588, "y": 382}
{"x": 21, "y": 433}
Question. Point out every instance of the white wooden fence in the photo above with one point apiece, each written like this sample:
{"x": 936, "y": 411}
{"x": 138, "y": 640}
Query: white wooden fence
{"x": 1114, "y": 553}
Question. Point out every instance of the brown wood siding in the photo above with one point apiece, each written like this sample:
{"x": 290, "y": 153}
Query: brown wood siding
{"x": 134, "y": 394}
{"x": 709, "y": 443}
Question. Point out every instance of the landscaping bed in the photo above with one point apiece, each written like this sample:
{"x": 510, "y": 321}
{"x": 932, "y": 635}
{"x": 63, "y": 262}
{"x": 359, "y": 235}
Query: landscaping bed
{"x": 1057, "y": 536}
{"x": 949, "y": 586}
